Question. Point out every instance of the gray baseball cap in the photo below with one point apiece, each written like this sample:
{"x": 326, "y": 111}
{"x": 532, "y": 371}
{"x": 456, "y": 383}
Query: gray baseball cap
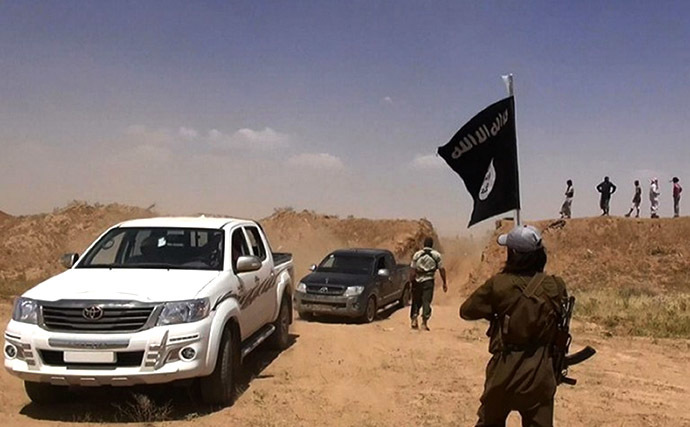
{"x": 521, "y": 239}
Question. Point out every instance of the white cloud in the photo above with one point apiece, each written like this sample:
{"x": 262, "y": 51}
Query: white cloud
{"x": 215, "y": 135}
{"x": 428, "y": 161}
{"x": 387, "y": 100}
{"x": 320, "y": 161}
{"x": 214, "y": 139}
{"x": 267, "y": 137}
{"x": 188, "y": 133}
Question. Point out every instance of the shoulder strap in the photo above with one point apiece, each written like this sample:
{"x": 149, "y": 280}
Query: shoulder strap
{"x": 429, "y": 252}
{"x": 534, "y": 284}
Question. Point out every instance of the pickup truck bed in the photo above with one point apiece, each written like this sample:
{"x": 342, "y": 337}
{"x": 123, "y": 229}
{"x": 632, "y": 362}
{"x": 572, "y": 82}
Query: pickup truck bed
{"x": 280, "y": 258}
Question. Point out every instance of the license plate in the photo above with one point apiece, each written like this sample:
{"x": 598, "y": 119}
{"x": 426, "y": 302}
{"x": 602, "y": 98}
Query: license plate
{"x": 89, "y": 357}
{"x": 316, "y": 306}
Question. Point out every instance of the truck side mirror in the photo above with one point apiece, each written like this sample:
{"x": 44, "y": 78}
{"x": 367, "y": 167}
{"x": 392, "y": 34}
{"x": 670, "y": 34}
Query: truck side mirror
{"x": 248, "y": 263}
{"x": 312, "y": 267}
{"x": 68, "y": 260}
{"x": 384, "y": 272}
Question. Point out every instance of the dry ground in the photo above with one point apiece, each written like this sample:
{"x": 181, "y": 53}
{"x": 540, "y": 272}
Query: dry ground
{"x": 381, "y": 374}
{"x": 385, "y": 374}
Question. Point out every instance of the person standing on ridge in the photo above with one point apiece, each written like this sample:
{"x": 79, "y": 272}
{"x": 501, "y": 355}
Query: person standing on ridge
{"x": 637, "y": 199}
{"x": 567, "y": 204}
{"x": 606, "y": 188}
{"x": 425, "y": 263}
{"x": 677, "y": 189}
{"x": 654, "y": 194}
{"x": 524, "y": 306}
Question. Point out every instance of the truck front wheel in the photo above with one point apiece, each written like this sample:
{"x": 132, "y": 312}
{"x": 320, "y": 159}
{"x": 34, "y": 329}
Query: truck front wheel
{"x": 44, "y": 393}
{"x": 370, "y": 311}
{"x": 219, "y": 388}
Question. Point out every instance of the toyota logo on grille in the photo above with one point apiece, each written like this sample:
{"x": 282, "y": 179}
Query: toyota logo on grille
{"x": 323, "y": 289}
{"x": 93, "y": 312}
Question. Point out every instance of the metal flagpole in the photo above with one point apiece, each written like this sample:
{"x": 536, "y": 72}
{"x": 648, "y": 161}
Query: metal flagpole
{"x": 508, "y": 80}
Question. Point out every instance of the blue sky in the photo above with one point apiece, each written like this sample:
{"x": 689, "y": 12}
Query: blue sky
{"x": 241, "y": 107}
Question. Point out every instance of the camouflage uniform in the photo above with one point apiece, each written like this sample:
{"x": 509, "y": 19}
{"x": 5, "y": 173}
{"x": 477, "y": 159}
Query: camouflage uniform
{"x": 518, "y": 377}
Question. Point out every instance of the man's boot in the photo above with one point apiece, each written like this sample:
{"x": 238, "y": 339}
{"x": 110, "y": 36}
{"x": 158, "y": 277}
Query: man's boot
{"x": 414, "y": 323}
{"x": 424, "y": 325}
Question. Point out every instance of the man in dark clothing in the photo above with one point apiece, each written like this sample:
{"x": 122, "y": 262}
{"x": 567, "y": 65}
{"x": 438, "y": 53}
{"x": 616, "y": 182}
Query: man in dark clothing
{"x": 524, "y": 307}
{"x": 677, "y": 189}
{"x": 637, "y": 199}
{"x": 606, "y": 188}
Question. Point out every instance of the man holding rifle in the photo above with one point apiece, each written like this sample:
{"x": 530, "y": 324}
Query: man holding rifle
{"x": 529, "y": 338}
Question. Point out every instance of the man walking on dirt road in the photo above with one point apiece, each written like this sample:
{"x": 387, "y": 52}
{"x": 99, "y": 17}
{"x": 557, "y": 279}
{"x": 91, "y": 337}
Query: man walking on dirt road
{"x": 424, "y": 265}
{"x": 523, "y": 305}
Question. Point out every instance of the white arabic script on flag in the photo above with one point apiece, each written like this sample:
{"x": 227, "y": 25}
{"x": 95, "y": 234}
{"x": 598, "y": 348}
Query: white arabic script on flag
{"x": 480, "y": 135}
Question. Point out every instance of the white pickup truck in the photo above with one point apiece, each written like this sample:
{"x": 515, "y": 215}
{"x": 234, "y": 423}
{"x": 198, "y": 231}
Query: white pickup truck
{"x": 153, "y": 301}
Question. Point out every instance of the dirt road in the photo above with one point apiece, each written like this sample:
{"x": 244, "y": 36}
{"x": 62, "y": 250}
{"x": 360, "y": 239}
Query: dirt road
{"x": 385, "y": 374}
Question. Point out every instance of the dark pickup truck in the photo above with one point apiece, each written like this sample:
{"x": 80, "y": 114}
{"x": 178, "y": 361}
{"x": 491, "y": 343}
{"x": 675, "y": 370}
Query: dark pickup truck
{"x": 353, "y": 283}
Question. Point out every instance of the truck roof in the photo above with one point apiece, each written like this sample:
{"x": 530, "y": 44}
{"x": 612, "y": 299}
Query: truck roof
{"x": 362, "y": 251}
{"x": 184, "y": 222}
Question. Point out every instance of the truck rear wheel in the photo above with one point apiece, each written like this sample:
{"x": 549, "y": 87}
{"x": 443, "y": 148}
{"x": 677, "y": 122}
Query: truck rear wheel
{"x": 370, "y": 311}
{"x": 44, "y": 393}
{"x": 219, "y": 388}
{"x": 280, "y": 339}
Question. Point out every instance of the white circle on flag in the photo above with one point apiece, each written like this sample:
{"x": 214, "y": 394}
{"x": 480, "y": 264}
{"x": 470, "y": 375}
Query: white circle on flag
{"x": 489, "y": 180}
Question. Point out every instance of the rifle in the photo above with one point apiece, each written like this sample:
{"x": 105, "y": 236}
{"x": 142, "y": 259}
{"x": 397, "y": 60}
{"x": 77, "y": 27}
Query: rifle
{"x": 561, "y": 359}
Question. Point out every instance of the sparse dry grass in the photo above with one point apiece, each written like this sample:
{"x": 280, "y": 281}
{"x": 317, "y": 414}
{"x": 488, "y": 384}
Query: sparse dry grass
{"x": 144, "y": 410}
{"x": 635, "y": 311}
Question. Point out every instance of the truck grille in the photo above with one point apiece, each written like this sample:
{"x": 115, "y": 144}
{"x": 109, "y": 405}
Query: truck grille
{"x": 112, "y": 317}
{"x": 325, "y": 289}
{"x": 122, "y": 359}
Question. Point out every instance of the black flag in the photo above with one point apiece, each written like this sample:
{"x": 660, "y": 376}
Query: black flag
{"x": 484, "y": 154}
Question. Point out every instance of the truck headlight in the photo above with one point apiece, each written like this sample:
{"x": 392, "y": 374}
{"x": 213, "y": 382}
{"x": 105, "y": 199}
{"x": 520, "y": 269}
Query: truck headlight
{"x": 25, "y": 310}
{"x": 302, "y": 287}
{"x": 352, "y": 291}
{"x": 184, "y": 311}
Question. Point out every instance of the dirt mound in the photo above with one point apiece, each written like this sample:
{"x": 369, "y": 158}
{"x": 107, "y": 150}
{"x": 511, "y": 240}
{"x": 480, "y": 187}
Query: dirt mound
{"x": 310, "y": 236}
{"x": 30, "y": 246}
{"x": 628, "y": 275}
{"x": 592, "y": 253}
{"x": 4, "y": 216}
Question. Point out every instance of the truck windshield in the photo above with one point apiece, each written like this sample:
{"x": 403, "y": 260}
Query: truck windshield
{"x": 157, "y": 247}
{"x": 348, "y": 264}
